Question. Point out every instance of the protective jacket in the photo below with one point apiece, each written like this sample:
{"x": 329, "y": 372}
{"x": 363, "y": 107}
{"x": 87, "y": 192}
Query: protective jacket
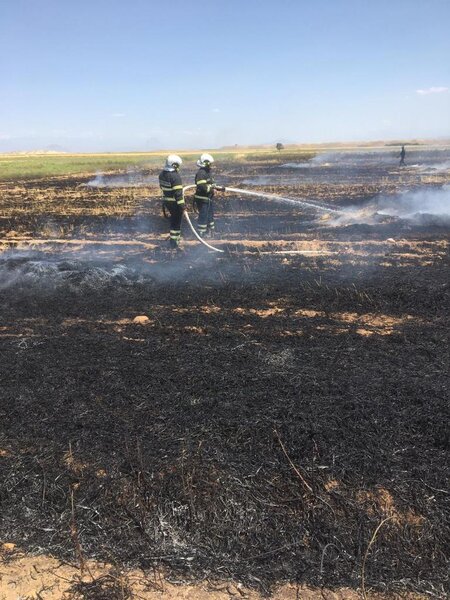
{"x": 205, "y": 185}
{"x": 171, "y": 186}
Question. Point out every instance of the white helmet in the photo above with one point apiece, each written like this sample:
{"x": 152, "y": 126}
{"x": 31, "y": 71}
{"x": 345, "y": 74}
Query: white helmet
{"x": 173, "y": 161}
{"x": 205, "y": 160}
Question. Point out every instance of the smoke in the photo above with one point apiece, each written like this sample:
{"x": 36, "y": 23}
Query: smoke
{"x": 414, "y": 205}
{"x": 28, "y": 268}
{"x": 320, "y": 160}
{"x": 422, "y": 159}
{"x": 132, "y": 178}
{"x": 258, "y": 180}
{"x": 81, "y": 271}
{"x": 424, "y": 206}
{"x": 302, "y": 165}
{"x": 347, "y": 160}
{"x": 436, "y": 167}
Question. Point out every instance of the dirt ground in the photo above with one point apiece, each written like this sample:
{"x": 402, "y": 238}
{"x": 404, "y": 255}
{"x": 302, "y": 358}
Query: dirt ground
{"x": 276, "y": 415}
{"x": 45, "y": 577}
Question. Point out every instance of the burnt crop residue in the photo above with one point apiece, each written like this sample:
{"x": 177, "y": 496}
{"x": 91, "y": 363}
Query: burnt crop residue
{"x": 278, "y": 412}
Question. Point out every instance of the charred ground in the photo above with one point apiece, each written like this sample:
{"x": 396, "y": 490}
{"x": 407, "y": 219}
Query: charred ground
{"x": 269, "y": 415}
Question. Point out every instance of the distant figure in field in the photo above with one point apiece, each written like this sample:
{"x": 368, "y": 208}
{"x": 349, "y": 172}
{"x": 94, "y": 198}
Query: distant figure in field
{"x": 402, "y": 157}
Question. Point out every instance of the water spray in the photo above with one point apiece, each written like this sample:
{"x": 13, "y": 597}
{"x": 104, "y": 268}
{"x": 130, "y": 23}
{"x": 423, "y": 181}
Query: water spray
{"x": 261, "y": 195}
{"x": 283, "y": 199}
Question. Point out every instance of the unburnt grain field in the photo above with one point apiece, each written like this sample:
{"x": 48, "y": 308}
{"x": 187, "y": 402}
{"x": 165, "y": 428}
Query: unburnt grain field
{"x": 275, "y": 413}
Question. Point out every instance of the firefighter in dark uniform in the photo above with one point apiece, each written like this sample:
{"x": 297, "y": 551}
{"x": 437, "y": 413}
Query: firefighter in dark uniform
{"x": 173, "y": 198}
{"x": 204, "y": 195}
{"x": 402, "y": 157}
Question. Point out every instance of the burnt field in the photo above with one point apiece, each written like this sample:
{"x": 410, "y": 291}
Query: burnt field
{"x": 277, "y": 413}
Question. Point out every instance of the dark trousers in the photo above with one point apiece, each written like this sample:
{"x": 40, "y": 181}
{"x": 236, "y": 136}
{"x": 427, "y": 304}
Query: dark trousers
{"x": 205, "y": 216}
{"x": 176, "y": 215}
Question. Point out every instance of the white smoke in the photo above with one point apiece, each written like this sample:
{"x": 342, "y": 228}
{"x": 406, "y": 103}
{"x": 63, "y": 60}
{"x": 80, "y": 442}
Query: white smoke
{"x": 81, "y": 271}
{"x": 29, "y": 268}
{"x": 132, "y": 178}
{"x": 320, "y": 160}
{"x": 421, "y": 206}
{"x": 414, "y": 204}
{"x": 420, "y": 159}
{"x": 344, "y": 159}
{"x": 303, "y": 165}
{"x": 436, "y": 167}
{"x": 258, "y": 180}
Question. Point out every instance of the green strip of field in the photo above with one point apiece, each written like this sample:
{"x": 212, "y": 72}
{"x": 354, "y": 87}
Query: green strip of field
{"x": 22, "y": 167}
{"x": 13, "y": 167}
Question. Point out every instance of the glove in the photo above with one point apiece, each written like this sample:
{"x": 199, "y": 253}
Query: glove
{"x": 220, "y": 188}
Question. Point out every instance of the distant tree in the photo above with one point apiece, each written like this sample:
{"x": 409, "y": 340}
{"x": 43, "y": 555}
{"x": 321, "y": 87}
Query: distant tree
{"x": 280, "y": 146}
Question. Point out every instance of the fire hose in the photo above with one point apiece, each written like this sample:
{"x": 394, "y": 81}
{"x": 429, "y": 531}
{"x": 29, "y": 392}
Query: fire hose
{"x": 194, "y": 231}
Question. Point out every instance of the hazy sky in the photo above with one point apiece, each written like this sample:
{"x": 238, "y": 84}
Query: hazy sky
{"x": 145, "y": 74}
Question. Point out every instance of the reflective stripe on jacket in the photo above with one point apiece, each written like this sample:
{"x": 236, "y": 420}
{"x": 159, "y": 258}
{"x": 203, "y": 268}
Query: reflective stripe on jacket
{"x": 171, "y": 186}
{"x": 205, "y": 184}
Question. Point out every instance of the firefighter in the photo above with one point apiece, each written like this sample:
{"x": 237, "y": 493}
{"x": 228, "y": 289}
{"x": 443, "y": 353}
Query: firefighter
{"x": 173, "y": 198}
{"x": 402, "y": 157}
{"x": 204, "y": 195}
